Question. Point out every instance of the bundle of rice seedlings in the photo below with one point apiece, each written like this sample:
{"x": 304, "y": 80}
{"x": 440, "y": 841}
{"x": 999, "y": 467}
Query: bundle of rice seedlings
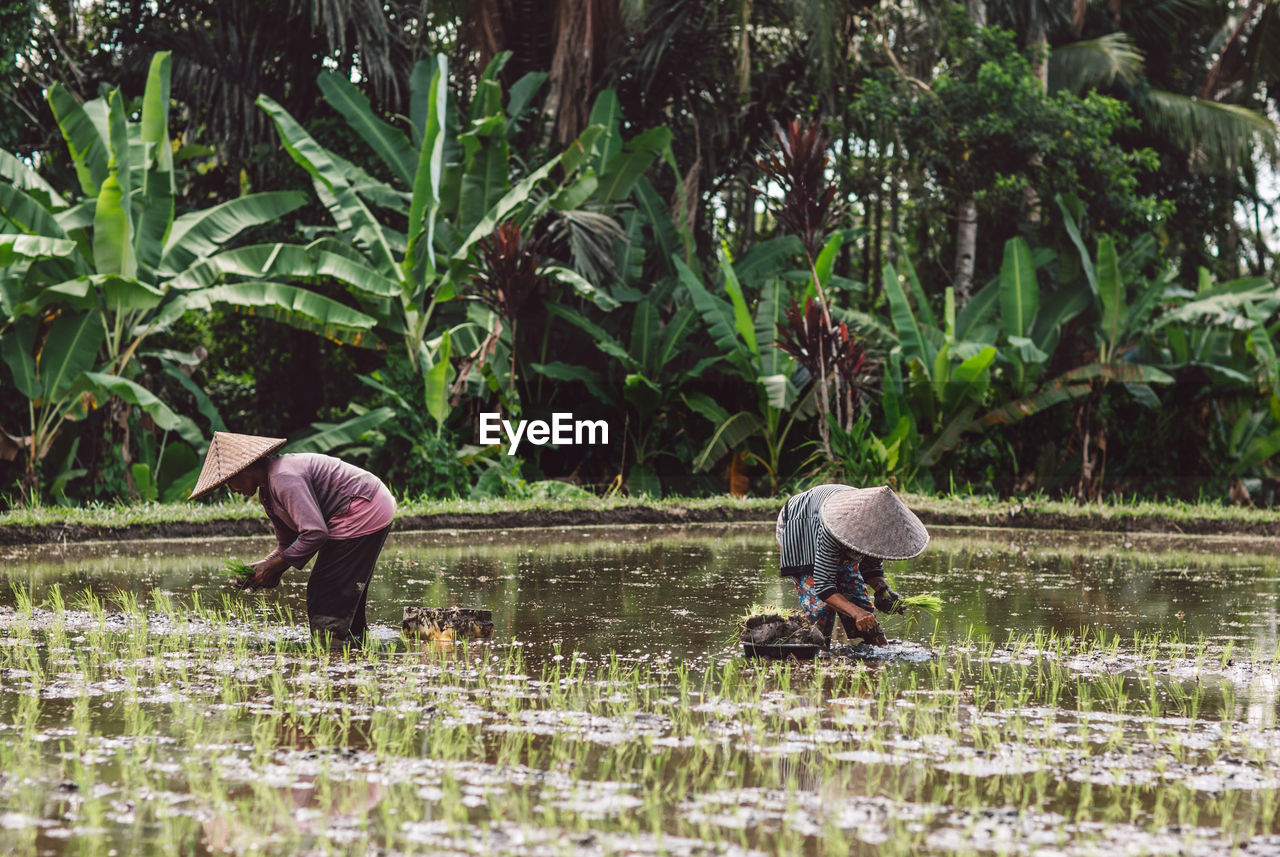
{"x": 238, "y": 572}
{"x": 929, "y": 602}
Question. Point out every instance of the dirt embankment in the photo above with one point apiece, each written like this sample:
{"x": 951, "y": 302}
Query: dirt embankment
{"x": 1018, "y": 518}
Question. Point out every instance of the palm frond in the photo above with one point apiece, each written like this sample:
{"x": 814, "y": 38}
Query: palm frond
{"x": 1161, "y": 20}
{"x": 1081, "y": 65}
{"x": 592, "y": 238}
{"x": 1218, "y": 137}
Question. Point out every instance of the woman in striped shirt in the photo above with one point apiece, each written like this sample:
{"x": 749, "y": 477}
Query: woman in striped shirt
{"x": 834, "y": 540}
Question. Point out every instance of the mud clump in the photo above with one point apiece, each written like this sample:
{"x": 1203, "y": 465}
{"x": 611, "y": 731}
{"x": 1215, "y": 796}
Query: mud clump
{"x": 772, "y": 629}
{"x": 448, "y": 623}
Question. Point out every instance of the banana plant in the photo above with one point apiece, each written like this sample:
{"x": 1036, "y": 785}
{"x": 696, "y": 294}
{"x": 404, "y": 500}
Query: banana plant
{"x": 112, "y": 258}
{"x": 53, "y": 369}
{"x": 405, "y": 246}
{"x": 1139, "y": 342}
{"x": 934, "y": 377}
{"x": 655, "y": 370}
{"x": 749, "y": 345}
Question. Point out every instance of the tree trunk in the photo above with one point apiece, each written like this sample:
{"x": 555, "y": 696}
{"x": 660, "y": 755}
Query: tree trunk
{"x": 977, "y": 11}
{"x": 966, "y": 248}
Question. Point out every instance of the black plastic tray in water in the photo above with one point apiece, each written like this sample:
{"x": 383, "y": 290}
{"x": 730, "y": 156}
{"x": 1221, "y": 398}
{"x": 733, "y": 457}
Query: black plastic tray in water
{"x": 781, "y": 651}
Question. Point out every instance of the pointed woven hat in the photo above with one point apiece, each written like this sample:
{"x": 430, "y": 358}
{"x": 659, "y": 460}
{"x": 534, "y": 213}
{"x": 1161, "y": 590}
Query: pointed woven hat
{"x": 874, "y": 522}
{"x": 229, "y": 454}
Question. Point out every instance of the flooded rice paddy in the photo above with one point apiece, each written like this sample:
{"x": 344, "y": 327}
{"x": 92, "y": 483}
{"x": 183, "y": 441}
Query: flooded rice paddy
{"x": 1107, "y": 695}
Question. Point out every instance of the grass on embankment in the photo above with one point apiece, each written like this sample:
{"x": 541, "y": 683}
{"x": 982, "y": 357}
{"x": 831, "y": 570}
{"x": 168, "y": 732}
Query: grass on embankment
{"x": 235, "y": 516}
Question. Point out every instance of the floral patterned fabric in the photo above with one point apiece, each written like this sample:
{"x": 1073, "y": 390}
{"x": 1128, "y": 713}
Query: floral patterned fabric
{"x": 850, "y": 584}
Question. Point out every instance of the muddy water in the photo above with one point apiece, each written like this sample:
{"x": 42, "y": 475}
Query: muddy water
{"x": 675, "y": 591}
{"x": 580, "y": 730}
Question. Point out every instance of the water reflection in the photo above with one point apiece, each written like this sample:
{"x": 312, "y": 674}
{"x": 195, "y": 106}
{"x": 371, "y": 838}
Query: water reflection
{"x": 676, "y": 591}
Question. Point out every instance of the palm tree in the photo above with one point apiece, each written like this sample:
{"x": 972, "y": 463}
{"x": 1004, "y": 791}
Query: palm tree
{"x": 1200, "y": 74}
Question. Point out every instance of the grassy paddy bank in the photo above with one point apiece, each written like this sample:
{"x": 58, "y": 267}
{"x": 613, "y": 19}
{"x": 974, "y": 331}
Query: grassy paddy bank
{"x": 232, "y": 517}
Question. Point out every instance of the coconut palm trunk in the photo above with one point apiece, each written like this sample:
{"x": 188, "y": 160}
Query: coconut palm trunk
{"x": 966, "y": 246}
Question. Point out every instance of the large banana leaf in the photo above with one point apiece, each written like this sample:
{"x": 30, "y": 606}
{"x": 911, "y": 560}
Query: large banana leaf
{"x": 298, "y": 307}
{"x": 1053, "y": 393}
{"x": 436, "y": 383}
{"x": 558, "y": 371}
{"x": 1073, "y": 385}
{"x": 285, "y": 261}
{"x": 136, "y": 394}
{"x": 1073, "y": 232}
{"x": 646, "y": 327}
{"x": 32, "y": 247}
{"x": 602, "y": 340}
{"x": 24, "y": 214}
{"x": 581, "y": 285}
{"x": 976, "y": 315}
{"x": 1057, "y": 310}
{"x": 980, "y": 308}
{"x": 113, "y": 251}
{"x": 329, "y": 437}
{"x": 606, "y": 112}
{"x": 1258, "y": 451}
{"x": 770, "y": 312}
{"x": 430, "y": 168}
{"x": 488, "y": 101}
{"x": 922, "y": 308}
{"x": 17, "y": 346}
{"x": 104, "y": 291}
{"x": 659, "y": 220}
{"x": 1219, "y": 309}
{"x": 1139, "y": 314}
{"x": 511, "y": 200}
{"x": 768, "y": 259}
{"x": 1119, "y": 372}
{"x": 18, "y": 174}
{"x": 675, "y": 336}
{"x": 157, "y": 213}
{"x": 200, "y": 234}
{"x": 914, "y": 344}
{"x": 87, "y": 146}
{"x": 204, "y": 404}
{"x": 728, "y": 435}
{"x": 486, "y": 179}
{"x": 1019, "y": 291}
{"x": 521, "y": 95}
{"x": 335, "y": 183}
{"x": 742, "y": 322}
{"x": 70, "y": 350}
{"x": 1111, "y": 293}
{"x": 717, "y": 313}
{"x": 779, "y": 392}
{"x": 969, "y": 379}
{"x": 1264, "y": 349}
{"x": 388, "y": 142}
{"x": 622, "y": 171}
{"x": 303, "y": 148}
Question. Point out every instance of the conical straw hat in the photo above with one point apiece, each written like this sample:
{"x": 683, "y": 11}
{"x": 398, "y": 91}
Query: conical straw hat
{"x": 229, "y": 454}
{"x": 874, "y": 522}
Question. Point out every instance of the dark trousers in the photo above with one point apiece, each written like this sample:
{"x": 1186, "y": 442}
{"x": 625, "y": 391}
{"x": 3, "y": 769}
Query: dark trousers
{"x": 339, "y": 586}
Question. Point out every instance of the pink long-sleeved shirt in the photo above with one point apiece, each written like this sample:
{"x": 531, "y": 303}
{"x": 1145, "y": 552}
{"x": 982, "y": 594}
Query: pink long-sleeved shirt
{"x": 309, "y": 498}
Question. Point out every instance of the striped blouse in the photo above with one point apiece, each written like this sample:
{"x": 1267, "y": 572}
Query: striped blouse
{"x": 807, "y": 546}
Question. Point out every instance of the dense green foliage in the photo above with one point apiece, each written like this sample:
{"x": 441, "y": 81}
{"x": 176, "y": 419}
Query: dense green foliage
{"x": 974, "y": 258}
